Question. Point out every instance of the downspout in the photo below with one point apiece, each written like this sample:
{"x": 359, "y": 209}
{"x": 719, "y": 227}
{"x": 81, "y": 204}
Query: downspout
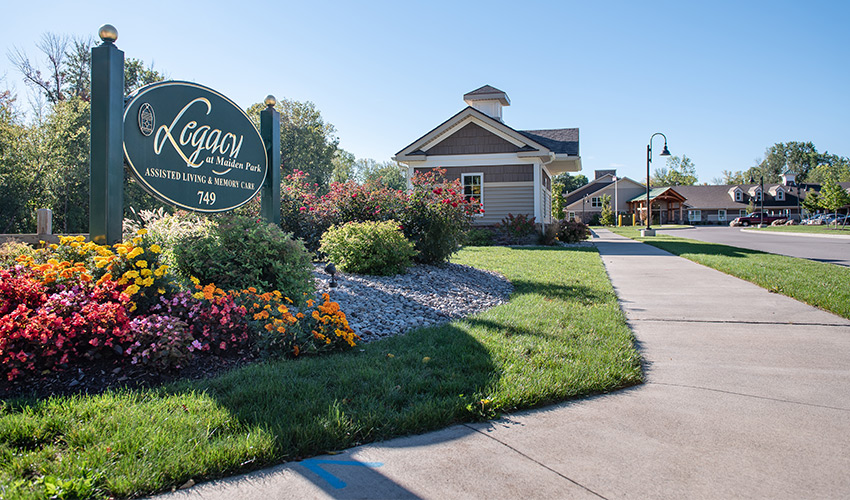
{"x": 551, "y": 159}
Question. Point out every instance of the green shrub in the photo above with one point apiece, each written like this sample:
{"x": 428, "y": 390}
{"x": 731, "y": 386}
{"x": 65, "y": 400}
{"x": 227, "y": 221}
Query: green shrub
{"x": 551, "y": 233}
{"x": 11, "y": 250}
{"x": 436, "y": 216}
{"x": 478, "y": 237}
{"x": 518, "y": 230}
{"x": 368, "y": 247}
{"x": 573, "y": 232}
{"x": 240, "y": 252}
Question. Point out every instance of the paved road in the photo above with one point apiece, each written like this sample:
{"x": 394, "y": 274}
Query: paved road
{"x": 739, "y": 402}
{"x": 824, "y": 249}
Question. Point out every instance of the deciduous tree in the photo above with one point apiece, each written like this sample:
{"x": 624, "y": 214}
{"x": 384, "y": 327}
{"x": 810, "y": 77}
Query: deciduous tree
{"x": 678, "y": 172}
{"x": 307, "y": 142}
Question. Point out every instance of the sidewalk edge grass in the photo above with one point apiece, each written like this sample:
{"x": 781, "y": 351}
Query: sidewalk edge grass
{"x": 819, "y": 284}
{"x": 562, "y": 335}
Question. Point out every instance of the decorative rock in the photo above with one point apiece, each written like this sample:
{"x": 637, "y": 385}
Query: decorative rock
{"x": 423, "y": 296}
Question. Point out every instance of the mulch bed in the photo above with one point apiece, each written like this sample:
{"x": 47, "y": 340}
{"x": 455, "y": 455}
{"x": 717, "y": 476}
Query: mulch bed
{"x": 101, "y": 376}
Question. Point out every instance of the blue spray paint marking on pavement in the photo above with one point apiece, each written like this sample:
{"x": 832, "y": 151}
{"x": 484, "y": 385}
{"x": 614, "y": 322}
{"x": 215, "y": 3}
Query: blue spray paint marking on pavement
{"x": 315, "y": 466}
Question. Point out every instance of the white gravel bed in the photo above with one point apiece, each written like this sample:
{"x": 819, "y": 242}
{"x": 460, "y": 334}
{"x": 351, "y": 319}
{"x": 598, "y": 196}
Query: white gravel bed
{"x": 382, "y": 306}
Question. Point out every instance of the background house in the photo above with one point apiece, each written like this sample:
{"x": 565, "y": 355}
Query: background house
{"x": 688, "y": 204}
{"x": 508, "y": 170}
{"x": 585, "y": 203}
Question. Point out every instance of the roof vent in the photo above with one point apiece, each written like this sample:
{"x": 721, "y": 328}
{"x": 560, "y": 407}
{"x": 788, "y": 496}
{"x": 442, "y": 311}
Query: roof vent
{"x": 489, "y": 100}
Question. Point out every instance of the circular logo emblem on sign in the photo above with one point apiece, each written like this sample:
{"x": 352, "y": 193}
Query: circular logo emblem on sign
{"x": 147, "y": 121}
{"x": 192, "y": 147}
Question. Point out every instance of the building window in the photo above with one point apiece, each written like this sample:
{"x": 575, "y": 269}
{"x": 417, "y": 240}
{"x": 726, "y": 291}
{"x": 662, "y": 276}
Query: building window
{"x": 742, "y": 213}
{"x": 571, "y": 216}
{"x": 596, "y": 202}
{"x": 739, "y": 195}
{"x": 473, "y": 188}
{"x": 721, "y": 215}
{"x": 694, "y": 215}
{"x": 780, "y": 195}
{"x": 758, "y": 194}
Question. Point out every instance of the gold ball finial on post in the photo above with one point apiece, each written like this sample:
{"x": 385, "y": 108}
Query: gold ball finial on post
{"x": 270, "y": 101}
{"x": 108, "y": 33}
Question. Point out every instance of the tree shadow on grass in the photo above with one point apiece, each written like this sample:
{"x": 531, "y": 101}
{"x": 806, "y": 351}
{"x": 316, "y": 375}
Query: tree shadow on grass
{"x": 696, "y": 249}
{"x": 419, "y": 382}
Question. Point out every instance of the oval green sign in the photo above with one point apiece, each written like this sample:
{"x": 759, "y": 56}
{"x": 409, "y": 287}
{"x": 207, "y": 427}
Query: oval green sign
{"x": 191, "y": 146}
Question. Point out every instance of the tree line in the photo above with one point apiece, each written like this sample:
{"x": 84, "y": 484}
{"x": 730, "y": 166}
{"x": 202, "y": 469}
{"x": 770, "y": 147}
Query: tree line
{"x": 44, "y": 154}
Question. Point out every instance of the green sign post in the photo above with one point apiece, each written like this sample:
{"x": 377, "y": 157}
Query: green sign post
{"x": 106, "y": 195}
{"x": 186, "y": 144}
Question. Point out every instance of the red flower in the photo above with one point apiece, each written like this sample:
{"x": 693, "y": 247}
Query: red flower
{"x": 438, "y": 191}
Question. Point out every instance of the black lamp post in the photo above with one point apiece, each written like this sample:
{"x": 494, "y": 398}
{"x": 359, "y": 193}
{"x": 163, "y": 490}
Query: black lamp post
{"x": 583, "y": 208}
{"x": 761, "y": 195}
{"x": 665, "y": 152}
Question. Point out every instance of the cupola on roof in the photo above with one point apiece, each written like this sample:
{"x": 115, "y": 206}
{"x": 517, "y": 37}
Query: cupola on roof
{"x": 489, "y": 100}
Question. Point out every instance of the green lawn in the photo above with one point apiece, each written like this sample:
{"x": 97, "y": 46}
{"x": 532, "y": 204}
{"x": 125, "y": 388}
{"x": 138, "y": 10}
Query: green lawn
{"x": 561, "y": 336}
{"x": 806, "y": 229}
{"x": 816, "y": 283}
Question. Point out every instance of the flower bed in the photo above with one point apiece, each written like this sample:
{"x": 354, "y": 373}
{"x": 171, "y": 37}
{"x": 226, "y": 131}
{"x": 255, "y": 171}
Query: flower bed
{"x": 76, "y": 305}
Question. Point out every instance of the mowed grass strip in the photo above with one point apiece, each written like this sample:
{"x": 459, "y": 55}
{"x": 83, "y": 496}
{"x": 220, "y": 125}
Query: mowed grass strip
{"x": 840, "y": 230}
{"x": 562, "y": 335}
{"x": 822, "y": 285}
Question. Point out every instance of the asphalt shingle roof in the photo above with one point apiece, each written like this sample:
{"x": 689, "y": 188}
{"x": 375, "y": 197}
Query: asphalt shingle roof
{"x": 558, "y": 140}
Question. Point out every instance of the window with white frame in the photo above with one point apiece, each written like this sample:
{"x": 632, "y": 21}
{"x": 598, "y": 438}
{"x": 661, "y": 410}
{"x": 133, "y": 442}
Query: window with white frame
{"x": 596, "y": 202}
{"x": 739, "y": 195}
{"x": 571, "y": 216}
{"x": 742, "y": 212}
{"x": 721, "y": 215}
{"x": 780, "y": 195}
{"x": 758, "y": 194}
{"x": 473, "y": 188}
{"x": 694, "y": 215}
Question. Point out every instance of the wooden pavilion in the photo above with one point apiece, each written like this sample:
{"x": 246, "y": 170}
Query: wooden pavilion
{"x": 667, "y": 206}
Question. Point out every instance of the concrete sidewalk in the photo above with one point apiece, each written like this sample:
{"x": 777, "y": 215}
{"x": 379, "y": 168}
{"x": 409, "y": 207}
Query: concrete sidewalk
{"x": 747, "y": 395}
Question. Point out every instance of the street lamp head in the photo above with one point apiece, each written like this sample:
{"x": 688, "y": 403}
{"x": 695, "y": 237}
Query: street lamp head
{"x": 666, "y": 151}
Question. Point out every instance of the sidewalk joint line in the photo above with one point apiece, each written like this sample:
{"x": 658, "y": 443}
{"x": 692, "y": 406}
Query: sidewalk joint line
{"x": 734, "y": 322}
{"x": 750, "y": 396}
{"x": 535, "y": 461}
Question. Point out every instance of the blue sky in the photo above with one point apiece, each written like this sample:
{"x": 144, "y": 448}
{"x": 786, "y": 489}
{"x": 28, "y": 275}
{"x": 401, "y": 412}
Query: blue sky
{"x": 723, "y": 80}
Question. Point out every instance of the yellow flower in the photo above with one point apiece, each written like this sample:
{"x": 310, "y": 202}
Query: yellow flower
{"x": 198, "y": 295}
{"x": 142, "y": 264}
{"x": 139, "y": 281}
{"x": 155, "y": 249}
{"x": 195, "y": 280}
{"x": 145, "y": 273}
{"x": 142, "y": 232}
{"x": 131, "y": 290}
{"x": 160, "y": 290}
{"x": 282, "y": 309}
{"x": 131, "y": 274}
{"x": 136, "y": 252}
{"x": 148, "y": 282}
{"x": 122, "y": 250}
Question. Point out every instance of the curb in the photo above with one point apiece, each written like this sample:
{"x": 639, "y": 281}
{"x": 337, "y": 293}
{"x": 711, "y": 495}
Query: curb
{"x": 804, "y": 235}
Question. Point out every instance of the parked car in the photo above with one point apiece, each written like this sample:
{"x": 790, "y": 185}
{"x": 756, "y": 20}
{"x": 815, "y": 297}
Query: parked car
{"x": 756, "y": 218}
{"x": 818, "y": 220}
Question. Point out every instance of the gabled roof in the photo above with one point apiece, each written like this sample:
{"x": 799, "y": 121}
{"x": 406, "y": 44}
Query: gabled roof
{"x": 658, "y": 192}
{"x": 420, "y": 146}
{"x": 717, "y": 197}
{"x": 558, "y": 140}
{"x": 595, "y": 185}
